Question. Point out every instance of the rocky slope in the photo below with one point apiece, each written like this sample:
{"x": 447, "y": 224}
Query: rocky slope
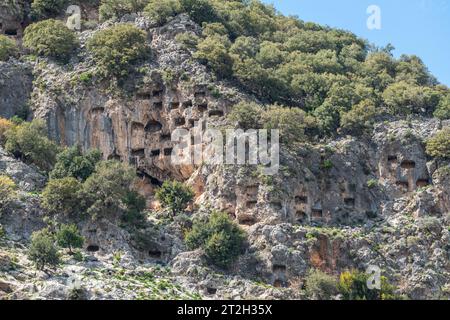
{"x": 380, "y": 200}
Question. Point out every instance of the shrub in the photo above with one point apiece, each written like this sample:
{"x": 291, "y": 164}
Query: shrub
{"x": 324, "y": 71}
{"x": 16, "y": 120}
{"x": 320, "y": 285}
{"x": 116, "y": 49}
{"x": 405, "y": 98}
{"x": 85, "y": 78}
{"x": 289, "y": 121}
{"x": 105, "y": 190}
{"x": 247, "y": 115}
{"x": 8, "y": 48}
{"x": 41, "y": 9}
{"x": 327, "y": 164}
{"x": 118, "y": 8}
{"x": 72, "y": 163}
{"x": 438, "y": 146}
{"x": 29, "y": 141}
{"x": 199, "y": 10}
{"x": 7, "y": 191}
{"x": 5, "y": 125}
{"x": 62, "y": 196}
{"x": 2, "y": 236}
{"x": 175, "y": 196}
{"x": 213, "y": 51}
{"x": 188, "y": 40}
{"x": 443, "y": 110}
{"x": 50, "y": 38}
{"x": 359, "y": 118}
{"x": 68, "y": 236}
{"x": 77, "y": 293}
{"x": 222, "y": 240}
{"x": 162, "y": 10}
{"x": 43, "y": 251}
{"x": 353, "y": 286}
{"x": 372, "y": 183}
{"x": 135, "y": 204}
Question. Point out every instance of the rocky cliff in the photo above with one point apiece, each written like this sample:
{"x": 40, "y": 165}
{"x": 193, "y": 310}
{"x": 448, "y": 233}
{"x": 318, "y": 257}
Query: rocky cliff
{"x": 347, "y": 202}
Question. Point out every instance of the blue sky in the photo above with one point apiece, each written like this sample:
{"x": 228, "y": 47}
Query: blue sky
{"x": 420, "y": 27}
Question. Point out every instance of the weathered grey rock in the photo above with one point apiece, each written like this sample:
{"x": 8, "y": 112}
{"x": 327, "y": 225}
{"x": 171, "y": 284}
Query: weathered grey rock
{"x": 15, "y": 88}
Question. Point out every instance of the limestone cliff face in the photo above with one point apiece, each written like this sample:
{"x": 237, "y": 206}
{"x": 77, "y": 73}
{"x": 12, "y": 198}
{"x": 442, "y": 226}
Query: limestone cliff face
{"x": 347, "y": 203}
{"x": 136, "y": 129}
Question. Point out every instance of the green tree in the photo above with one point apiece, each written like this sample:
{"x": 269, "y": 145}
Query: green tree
{"x": 8, "y": 48}
{"x": 213, "y": 51}
{"x": 72, "y": 163}
{"x": 50, "y": 38}
{"x": 29, "y": 141}
{"x": 289, "y": 121}
{"x": 359, "y": 118}
{"x": 117, "y": 49}
{"x": 162, "y": 10}
{"x": 105, "y": 190}
{"x": 221, "y": 239}
{"x": 269, "y": 55}
{"x": 43, "y": 251}
{"x": 175, "y": 196}
{"x": 320, "y": 285}
{"x": 68, "y": 236}
{"x": 118, "y": 8}
{"x": 438, "y": 146}
{"x": 443, "y": 109}
{"x": 62, "y": 196}
{"x": 7, "y": 191}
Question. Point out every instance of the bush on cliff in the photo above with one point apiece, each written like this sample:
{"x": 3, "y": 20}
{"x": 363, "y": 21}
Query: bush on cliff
{"x": 161, "y": 11}
{"x": 117, "y": 8}
{"x": 105, "y": 192}
{"x": 62, "y": 196}
{"x": 8, "y": 48}
{"x": 438, "y": 146}
{"x": 42, "y": 9}
{"x": 320, "y": 285}
{"x": 117, "y": 49}
{"x": 353, "y": 286}
{"x": 291, "y": 122}
{"x": 71, "y": 162}
{"x": 7, "y": 191}
{"x": 247, "y": 115}
{"x": 360, "y": 118}
{"x": 5, "y": 125}
{"x": 174, "y": 196}
{"x": 29, "y": 142}
{"x": 443, "y": 110}
{"x": 43, "y": 251}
